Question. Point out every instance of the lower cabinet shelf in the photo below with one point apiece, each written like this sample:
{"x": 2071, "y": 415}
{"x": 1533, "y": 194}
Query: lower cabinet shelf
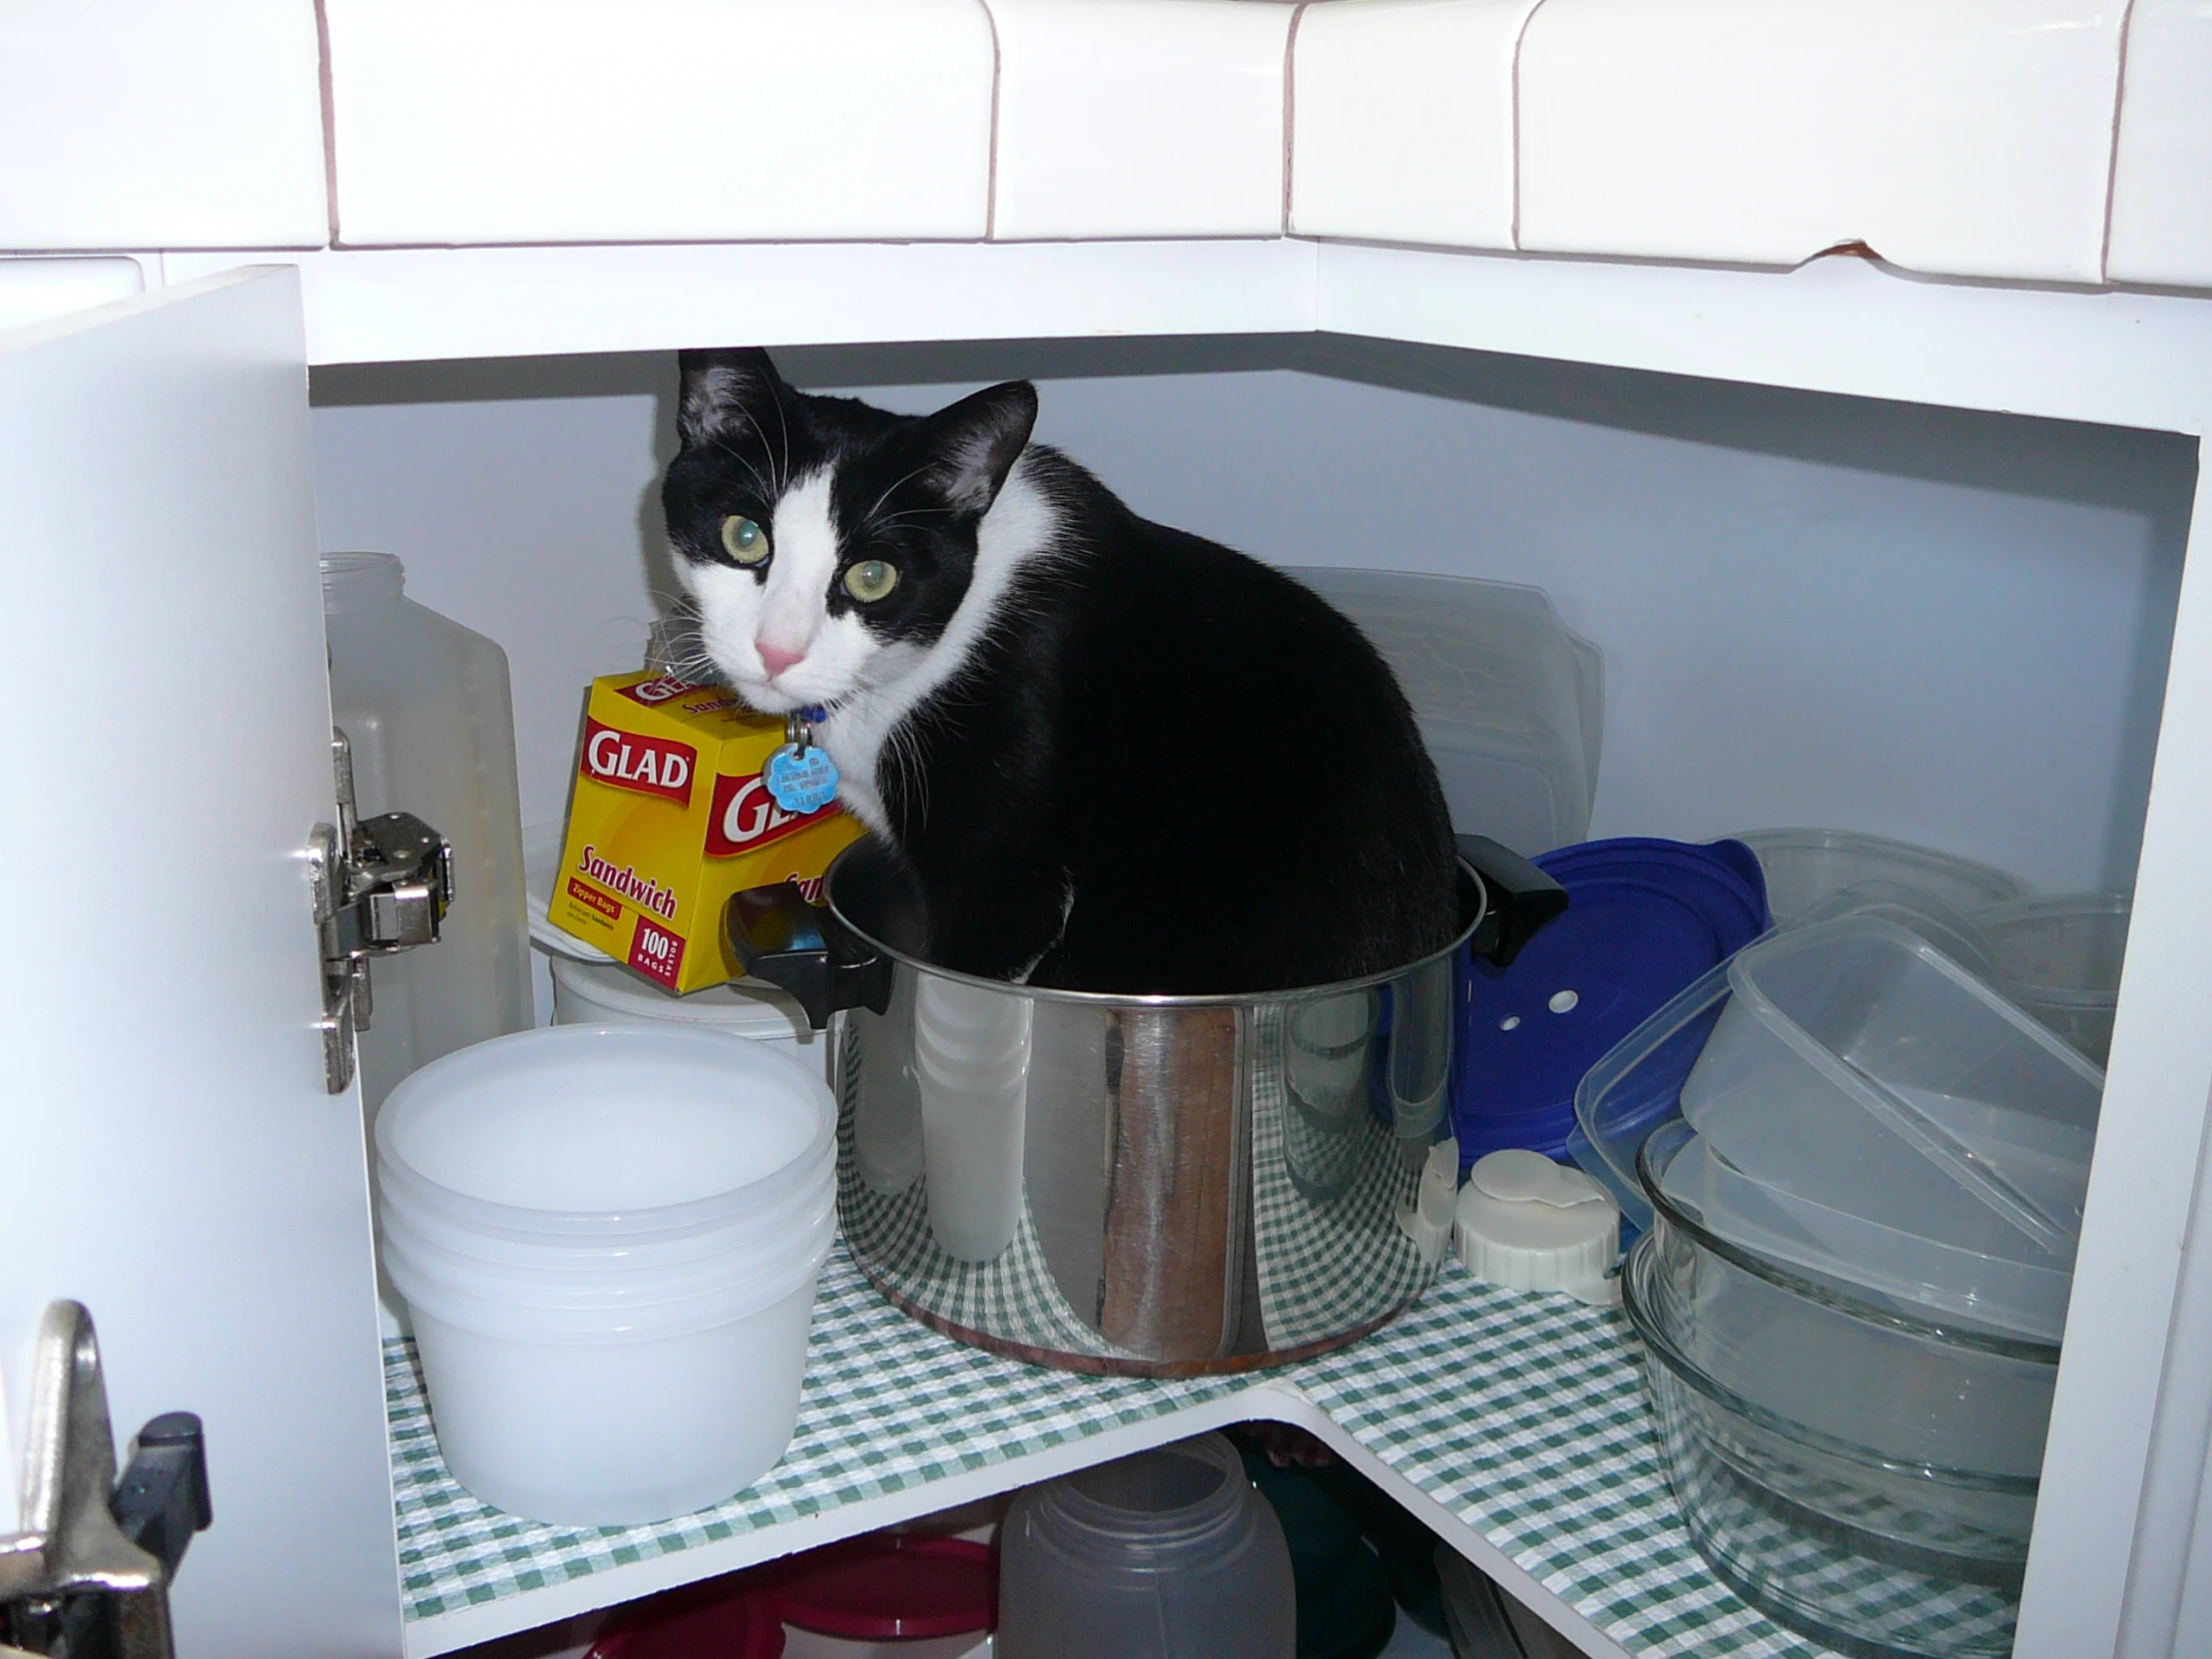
{"x": 1513, "y": 1424}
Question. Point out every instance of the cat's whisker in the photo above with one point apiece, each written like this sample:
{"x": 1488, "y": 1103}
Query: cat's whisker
{"x": 889, "y": 521}
{"x": 750, "y": 470}
{"x": 783, "y": 422}
{"x": 869, "y": 515}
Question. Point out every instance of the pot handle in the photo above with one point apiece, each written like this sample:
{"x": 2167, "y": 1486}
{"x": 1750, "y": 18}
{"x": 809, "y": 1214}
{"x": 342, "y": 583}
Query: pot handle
{"x": 781, "y": 938}
{"x": 1522, "y": 898}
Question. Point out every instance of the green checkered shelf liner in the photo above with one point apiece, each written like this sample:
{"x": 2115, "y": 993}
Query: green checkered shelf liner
{"x": 887, "y": 1405}
{"x": 1524, "y": 1416}
{"x": 1521, "y": 1414}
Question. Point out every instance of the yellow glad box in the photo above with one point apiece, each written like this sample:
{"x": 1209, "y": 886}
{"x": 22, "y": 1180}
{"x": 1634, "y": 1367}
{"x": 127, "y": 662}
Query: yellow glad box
{"x": 669, "y": 817}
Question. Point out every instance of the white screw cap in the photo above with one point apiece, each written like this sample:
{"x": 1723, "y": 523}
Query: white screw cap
{"x": 1529, "y": 1224}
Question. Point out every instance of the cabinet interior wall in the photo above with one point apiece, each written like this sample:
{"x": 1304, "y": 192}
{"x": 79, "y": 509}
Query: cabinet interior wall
{"x": 1946, "y": 626}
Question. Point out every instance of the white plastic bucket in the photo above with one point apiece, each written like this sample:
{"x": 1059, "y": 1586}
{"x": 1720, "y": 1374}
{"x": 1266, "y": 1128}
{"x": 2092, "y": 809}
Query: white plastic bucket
{"x": 611, "y": 1434}
{"x": 609, "y": 1239}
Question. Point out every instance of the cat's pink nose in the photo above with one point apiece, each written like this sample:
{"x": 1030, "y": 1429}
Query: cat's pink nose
{"x": 774, "y": 659}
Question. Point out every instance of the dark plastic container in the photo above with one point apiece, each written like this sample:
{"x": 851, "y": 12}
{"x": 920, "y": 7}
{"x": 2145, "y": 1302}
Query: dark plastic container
{"x": 888, "y": 1587}
{"x": 715, "y": 1620}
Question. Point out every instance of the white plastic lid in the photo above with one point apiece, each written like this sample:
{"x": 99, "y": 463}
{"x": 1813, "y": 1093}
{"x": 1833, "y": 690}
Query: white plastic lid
{"x": 1529, "y": 1224}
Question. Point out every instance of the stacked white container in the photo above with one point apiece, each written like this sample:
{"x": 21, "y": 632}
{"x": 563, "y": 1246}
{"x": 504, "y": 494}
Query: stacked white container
{"x": 609, "y": 1239}
{"x": 971, "y": 1064}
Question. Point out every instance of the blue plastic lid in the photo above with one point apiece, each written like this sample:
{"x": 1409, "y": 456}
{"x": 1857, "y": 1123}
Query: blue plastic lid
{"x": 1644, "y": 918}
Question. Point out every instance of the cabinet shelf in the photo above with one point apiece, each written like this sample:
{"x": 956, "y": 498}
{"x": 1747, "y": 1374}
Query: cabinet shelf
{"x": 1513, "y": 1424}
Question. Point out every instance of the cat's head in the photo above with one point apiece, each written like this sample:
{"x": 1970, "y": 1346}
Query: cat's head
{"x": 826, "y": 544}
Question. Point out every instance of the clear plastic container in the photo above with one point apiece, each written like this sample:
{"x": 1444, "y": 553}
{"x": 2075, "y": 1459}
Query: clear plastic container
{"x": 425, "y": 705}
{"x": 1169, "y": 1554}
{"x": 1857, "y": 1067}
{"x": 2059, "y": 959}
{"x": 1957, "y": 934}
{"x": 1637, "y": 1087}
{"x": 1804, "y": 866}
{"x": 809, "y": 1185}
{"x": 1638, "y": 1084}
{"x": 1957, "y": 1257}
{"x": 1510, "y": 704}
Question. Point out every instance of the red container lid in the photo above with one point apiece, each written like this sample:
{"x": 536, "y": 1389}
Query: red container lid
{"x": 715, "y": 1620}
{"x": 887, "y": 1587}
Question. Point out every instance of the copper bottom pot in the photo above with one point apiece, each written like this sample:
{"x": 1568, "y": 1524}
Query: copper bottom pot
{"x": 1145, "y": 1185}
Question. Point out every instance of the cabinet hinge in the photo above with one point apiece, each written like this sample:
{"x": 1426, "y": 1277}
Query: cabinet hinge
{"x": 380, "y": 885}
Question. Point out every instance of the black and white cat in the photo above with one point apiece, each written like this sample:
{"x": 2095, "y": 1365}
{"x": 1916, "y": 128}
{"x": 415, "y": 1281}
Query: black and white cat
{"x": 1113, "y": 755}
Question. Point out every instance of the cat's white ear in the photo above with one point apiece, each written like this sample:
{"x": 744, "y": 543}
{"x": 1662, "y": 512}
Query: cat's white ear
{"x": 977, "y": 440}
{"x": 727, "y": 392}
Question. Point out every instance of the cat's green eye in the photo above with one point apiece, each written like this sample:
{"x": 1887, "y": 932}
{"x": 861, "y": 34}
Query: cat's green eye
{"x": 870, "y": 579}
{"x": 744, "y": 540}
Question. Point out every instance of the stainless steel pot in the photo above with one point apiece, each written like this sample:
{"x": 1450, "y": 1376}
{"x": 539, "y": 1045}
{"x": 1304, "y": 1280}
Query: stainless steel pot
{"x": 1151, "y": 1185}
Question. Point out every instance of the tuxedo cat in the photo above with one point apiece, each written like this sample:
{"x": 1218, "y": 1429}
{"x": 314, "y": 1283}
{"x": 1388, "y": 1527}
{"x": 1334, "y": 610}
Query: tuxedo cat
{"x": 1113, "y": 755}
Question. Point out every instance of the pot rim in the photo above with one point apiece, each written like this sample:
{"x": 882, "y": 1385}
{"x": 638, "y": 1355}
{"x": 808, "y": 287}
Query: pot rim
{"x": 1470, "y": 877}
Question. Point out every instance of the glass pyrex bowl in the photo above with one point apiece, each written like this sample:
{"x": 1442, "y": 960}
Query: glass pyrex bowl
{"x": 1862, "y": 1475}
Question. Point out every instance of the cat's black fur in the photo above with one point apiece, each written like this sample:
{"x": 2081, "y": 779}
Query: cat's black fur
{"x": 1215, "y": 763}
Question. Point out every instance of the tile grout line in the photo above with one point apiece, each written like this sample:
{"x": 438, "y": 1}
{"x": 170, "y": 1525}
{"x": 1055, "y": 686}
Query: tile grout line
{"x": 1289, "y": 108}
{"x": 1520, "y": 40}
{"x": 2112, "y": 157}
{"x": 327, "y": 97}
{"x": 990, "y": 173}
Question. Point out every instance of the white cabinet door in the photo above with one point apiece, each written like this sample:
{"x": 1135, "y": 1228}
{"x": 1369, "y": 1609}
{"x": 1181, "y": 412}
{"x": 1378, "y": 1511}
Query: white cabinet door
{"x": 172, "y": 1159}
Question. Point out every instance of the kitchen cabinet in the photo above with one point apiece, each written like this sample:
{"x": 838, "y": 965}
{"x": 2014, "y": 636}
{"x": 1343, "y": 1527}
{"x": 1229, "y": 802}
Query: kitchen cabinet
{"x": 229, "y": 1261}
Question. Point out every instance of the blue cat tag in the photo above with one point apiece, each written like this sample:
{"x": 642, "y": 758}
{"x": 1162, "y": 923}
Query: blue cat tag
{"x": 801, "y": 781}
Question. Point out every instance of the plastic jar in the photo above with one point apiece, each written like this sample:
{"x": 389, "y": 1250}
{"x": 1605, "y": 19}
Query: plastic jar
{"x": 1170, "y": 1555}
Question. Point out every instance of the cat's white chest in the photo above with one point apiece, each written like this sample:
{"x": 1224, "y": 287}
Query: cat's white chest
{"x": 857, "y": 792}
{"x": 867, "y": 733}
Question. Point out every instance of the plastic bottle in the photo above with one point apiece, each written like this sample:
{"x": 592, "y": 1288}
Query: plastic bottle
{"x": 1169, "y": 1554}
{"x": 426, "y": 708}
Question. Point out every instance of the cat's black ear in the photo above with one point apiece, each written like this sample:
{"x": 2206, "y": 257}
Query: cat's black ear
{"x": 975, "y": 442}
{"x": 727, "y": 391}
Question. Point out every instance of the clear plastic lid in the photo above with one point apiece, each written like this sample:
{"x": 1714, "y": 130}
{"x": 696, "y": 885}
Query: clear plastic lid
{"x": 1510, "y": 704}
{"x": 1859, "y": 1068}
{"x": 1804, "y": 866}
